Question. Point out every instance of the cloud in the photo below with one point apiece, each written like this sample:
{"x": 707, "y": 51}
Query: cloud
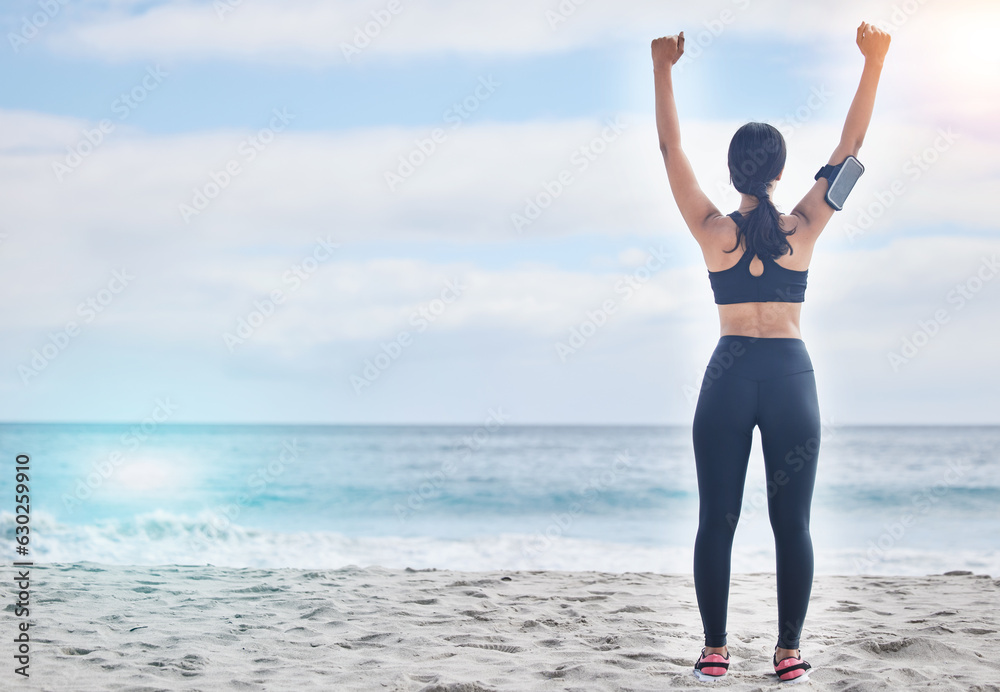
{"x": 120, "y": 210}
{"x": 315, "y": 31}
{"x": 195, "y": 282}
{"x": 165, "y": 333}
{"x": 495, "y": 182}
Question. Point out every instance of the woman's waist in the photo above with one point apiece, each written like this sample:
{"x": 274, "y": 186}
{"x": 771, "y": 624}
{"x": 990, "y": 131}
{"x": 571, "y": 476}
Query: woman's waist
{"x": 761, "y": 320}
{"x": 760, "y": 358}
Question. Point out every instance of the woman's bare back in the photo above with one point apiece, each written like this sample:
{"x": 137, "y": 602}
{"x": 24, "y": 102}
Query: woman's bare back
{"x": 763, "y": 320}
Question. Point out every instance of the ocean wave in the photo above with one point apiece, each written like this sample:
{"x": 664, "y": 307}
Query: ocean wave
{"x": 159, "y": 538}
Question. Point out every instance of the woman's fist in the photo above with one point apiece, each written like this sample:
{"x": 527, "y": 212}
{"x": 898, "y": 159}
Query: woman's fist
{"x": 873, "y": 42}
{"x": 667, "y": 51}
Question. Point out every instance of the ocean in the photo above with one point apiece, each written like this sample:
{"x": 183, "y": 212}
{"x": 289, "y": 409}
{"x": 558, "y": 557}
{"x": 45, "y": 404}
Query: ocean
{"x": 889, "y": 500}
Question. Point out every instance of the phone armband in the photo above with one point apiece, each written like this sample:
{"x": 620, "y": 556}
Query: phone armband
{"x": 842, "y": 178}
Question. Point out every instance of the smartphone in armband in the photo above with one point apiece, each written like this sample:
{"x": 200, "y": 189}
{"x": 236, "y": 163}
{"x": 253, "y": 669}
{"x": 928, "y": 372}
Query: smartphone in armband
{"x": 842, "y": 178}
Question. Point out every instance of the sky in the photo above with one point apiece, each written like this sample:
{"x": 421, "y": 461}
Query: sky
{"x": 421, "y": 212}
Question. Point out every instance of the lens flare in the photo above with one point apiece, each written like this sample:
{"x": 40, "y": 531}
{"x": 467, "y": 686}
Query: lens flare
{"x": 145, "y": 475}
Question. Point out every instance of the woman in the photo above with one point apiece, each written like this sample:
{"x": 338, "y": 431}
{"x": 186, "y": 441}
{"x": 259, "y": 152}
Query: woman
{"x": 760, "y": 373}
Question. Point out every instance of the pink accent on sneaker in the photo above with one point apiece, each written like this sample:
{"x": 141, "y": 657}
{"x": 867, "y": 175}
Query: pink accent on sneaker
{"x": 714, "y": 671}
{"x": 787, "y": 663}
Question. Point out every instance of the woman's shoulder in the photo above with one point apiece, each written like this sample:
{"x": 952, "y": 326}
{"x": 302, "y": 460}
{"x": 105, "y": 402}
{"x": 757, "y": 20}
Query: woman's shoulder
{"x": 789, "y": 222}
{"x": 723, "y": 230}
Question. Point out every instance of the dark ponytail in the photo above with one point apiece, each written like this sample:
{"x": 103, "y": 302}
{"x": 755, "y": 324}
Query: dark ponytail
{"x": 757, "y": 157}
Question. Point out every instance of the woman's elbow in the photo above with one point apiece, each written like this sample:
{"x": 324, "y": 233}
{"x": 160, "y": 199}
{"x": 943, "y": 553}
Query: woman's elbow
{"x": 667, "y": 148}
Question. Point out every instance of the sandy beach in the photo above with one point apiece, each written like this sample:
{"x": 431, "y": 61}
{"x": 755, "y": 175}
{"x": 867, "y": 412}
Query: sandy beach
{"x": 98, "y": 627}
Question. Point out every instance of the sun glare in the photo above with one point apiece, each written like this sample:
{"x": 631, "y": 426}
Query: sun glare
{"x": 145, "y": 475}
{"x": 971, "y": 54}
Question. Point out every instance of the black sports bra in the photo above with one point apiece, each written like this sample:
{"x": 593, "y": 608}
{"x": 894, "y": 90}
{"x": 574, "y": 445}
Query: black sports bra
{"x": 776, "y": 284}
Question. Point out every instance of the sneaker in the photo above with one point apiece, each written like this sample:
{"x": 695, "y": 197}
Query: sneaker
{"x": 711, "y": 667}
{"x": 791, "y": 669}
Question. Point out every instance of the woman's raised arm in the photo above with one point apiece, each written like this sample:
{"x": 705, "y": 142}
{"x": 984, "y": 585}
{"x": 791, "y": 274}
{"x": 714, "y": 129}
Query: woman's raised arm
{"x": 874, "y": 44}
{"x": 695, "y": 206}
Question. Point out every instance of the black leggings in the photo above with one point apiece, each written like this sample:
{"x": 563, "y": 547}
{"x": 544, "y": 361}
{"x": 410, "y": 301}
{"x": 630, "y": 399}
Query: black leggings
{"x": 768, "y": 383}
